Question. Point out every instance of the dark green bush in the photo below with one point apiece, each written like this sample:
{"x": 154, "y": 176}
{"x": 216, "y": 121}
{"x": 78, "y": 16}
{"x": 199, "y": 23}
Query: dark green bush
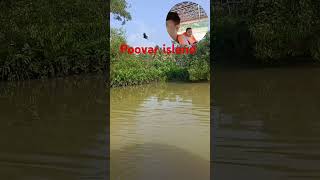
{"x": 51, "y": 38}
{"x": 269, "y": 31}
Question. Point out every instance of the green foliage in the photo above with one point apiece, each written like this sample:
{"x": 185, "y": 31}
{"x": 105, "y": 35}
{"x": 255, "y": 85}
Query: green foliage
{"x": 232, "y": 38}
{"x": 119, "y": 10}
{"x": 199, "y": 70}
{"x": 270, "y": 31}
{"x": 134, "y": 70}
{"x": 175, "y": 72}
{"x": 199, "y": 64}
{"x": 285, "y": 29}
{"x": 128, "y": 72}
{"x": 44, "y": 39}
{"x": 117, "y": 38}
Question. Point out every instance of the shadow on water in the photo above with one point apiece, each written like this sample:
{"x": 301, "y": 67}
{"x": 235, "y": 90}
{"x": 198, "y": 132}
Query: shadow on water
{"x": 53, "y": 129}
{"x": 267, "y": 123}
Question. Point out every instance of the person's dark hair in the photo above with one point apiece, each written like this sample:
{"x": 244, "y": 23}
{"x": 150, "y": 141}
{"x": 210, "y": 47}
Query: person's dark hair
{"x": 188, "y": 29}
{"x": 174, "y": 17}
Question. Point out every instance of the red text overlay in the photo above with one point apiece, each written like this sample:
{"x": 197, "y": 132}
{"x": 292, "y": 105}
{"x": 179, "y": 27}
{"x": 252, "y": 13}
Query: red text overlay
{"x": 124, "y": 48}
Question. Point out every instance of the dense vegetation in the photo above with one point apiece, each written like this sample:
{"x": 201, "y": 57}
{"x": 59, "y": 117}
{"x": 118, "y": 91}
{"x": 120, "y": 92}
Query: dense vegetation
{"x": 268, "y": 31}
{"x": 52, "y": 38}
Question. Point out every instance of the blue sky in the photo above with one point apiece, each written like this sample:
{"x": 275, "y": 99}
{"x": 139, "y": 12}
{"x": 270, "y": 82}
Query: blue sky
{"x": 149, "y": 17}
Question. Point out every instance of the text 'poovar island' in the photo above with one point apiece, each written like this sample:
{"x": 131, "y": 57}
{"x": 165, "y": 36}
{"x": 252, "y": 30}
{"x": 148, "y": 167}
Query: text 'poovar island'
{"x": 124, "y": 48}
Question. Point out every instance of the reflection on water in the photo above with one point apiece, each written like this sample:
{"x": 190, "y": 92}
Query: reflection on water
{"x": 53, "y": 129}
{"x": 267, "y": 124}
{"x": 160, "y": 131}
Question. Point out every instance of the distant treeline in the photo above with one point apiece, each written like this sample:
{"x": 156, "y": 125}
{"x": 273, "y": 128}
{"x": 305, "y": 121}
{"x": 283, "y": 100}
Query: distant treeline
{"x": 40, "y": 39}
{"x": 267, "y": 31}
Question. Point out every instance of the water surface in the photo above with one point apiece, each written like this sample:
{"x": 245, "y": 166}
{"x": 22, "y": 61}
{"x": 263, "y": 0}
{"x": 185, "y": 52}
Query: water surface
{"x": 53, "y": 129}
{"x": 266, "y": 124}
{"x": 160, "y": 131}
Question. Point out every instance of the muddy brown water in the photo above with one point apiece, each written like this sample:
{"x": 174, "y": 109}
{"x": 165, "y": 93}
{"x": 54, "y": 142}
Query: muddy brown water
{"x": 160, "y": 131}
{"x": 266, "y": 123}
{"x": 53, "y": 129}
